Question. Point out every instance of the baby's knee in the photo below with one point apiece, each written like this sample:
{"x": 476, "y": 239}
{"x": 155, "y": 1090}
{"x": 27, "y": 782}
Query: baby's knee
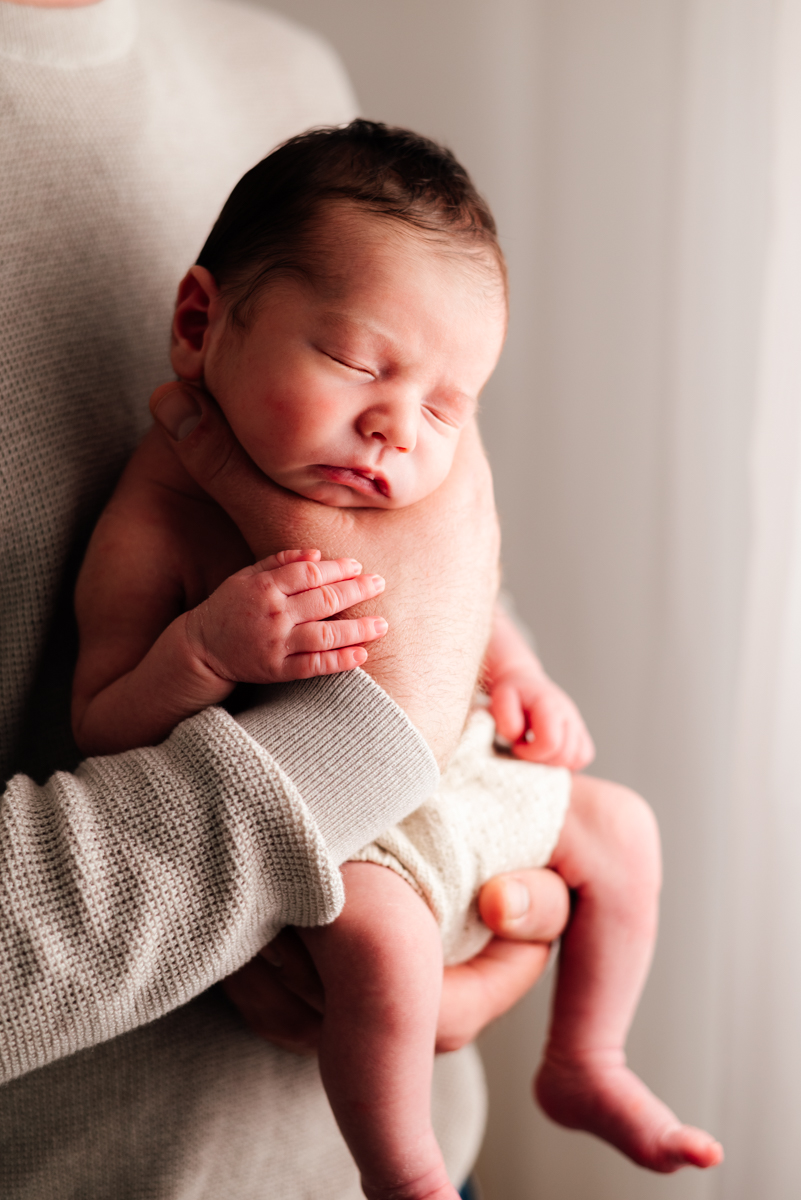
{"x": 624, "y": 825}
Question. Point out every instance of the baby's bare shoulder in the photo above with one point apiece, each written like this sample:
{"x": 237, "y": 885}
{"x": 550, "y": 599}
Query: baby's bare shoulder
{"x": 160, "y": 547}
{"x": 160, "y": 518}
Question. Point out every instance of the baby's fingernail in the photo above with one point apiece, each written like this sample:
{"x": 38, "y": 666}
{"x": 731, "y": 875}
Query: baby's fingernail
{"x": 377, "y": 582}
{"x": 380, "y": 625}
{"x": 517, "y": 900}
{"x": 179, "y": 413}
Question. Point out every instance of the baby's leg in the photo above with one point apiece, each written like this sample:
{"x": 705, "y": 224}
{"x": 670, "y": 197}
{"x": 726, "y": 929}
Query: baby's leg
{"x": 608, "y": 853}
{"x": 381, "y": 967}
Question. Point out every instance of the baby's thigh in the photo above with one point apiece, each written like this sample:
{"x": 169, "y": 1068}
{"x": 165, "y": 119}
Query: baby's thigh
{"x": 610, "y": 837}
{"x": 385, "y": 934}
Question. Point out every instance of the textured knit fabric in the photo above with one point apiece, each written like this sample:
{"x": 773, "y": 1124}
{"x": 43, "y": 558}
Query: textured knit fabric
{"x": 130, "y": 884}
{"x": 491, "y": 813}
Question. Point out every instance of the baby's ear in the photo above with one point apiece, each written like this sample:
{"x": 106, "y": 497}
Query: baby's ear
{"x": 196, "y": 307}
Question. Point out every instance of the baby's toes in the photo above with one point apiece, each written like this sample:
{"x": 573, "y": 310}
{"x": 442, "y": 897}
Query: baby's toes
{"x": 687, "y": 1146}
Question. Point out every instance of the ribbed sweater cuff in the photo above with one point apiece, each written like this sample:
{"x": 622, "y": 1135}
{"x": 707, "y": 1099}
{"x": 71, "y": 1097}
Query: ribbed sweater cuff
{"x": 353, "y": 754}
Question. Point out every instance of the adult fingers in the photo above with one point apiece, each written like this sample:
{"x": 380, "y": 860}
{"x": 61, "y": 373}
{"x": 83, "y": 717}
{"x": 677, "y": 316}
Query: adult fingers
{"x": 476, "y": 992}
{"x": 530, "y": 906}
{"x": 271, "y": 1010}
{"x": 203, "y": 441}
{"x": 318, "y": 636}
{"x": 287, "y": 953}
{"x": 177, "y": 408}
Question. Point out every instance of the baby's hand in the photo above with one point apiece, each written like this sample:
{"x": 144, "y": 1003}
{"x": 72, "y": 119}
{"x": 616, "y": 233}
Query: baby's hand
{"x": 539, "y": 719}
{"x": 267, "y": 623}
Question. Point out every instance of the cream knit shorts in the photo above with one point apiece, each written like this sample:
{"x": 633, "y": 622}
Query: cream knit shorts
{"x": 491, "y": 813}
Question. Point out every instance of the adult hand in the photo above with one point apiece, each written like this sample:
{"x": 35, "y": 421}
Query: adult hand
{"x": 439, "y": 557}
{"x": 527, "y": 911}
{"x": 280, "y": 996}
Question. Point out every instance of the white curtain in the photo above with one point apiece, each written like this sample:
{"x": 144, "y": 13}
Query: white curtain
{"x": 643, "y": 158}
{"x": 761, "y": 1083}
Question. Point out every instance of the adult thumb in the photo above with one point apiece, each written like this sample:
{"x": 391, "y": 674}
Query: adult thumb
{"x": 203, "y": 441}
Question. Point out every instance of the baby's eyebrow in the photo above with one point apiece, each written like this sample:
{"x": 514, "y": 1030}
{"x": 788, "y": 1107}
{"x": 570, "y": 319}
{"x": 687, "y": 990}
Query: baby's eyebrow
{"x": 470, "y": 402}
{"x": 464, "y": 403}
{"x": 350, "y": 325}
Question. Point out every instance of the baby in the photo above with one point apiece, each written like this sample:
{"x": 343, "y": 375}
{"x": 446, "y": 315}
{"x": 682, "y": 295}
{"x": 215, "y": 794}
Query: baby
{"x": 345, "y": 313}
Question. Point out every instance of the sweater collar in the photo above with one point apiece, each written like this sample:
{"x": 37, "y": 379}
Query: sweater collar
{"x": 67, "y": 37}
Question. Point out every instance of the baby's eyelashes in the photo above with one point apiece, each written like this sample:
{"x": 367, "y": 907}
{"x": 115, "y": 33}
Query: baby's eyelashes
{"x": 452, "y": 408}
{"x": 357, "y": 370}
{"x": 447, "y": 421}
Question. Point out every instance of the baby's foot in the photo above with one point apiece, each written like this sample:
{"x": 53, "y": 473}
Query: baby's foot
{"x": 602, "y": 1096}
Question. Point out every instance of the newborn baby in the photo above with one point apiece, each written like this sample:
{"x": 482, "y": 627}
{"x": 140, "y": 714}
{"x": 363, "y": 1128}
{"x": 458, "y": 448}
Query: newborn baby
{"x": 346, "y": 312}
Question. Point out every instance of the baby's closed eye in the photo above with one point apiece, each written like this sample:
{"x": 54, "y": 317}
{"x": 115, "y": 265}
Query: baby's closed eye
{"x": 452, "y": 411}
{"x": 367, "y": 372}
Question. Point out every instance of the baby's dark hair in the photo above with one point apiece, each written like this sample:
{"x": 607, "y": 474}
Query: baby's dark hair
{"x": 264, "y": 227}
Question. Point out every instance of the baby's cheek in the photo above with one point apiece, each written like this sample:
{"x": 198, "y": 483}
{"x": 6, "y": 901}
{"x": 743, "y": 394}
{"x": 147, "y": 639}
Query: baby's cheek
{"x": 281, "y": 433}
{"x": 432, "y": 467}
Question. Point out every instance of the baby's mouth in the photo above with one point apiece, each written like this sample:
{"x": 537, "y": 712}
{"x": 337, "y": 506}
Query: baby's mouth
{"x": 360, "y": 480}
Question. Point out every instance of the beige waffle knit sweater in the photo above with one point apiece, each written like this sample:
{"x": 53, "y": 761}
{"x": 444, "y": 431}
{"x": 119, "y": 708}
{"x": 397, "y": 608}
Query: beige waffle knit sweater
{"x": 129, "y": 885}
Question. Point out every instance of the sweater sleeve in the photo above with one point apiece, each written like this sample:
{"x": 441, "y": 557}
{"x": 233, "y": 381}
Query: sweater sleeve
{"x": 134, "y": 884}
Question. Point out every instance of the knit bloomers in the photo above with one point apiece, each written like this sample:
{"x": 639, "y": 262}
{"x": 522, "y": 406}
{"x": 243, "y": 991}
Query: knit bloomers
{"x": 491, "y": 813}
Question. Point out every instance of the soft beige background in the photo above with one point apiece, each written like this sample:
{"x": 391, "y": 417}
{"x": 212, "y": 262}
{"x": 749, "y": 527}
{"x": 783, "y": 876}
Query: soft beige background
{"x": 623, "y": 145}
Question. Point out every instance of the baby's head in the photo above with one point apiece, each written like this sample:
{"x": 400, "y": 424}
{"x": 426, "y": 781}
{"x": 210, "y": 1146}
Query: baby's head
{"x": 346, "y": 311}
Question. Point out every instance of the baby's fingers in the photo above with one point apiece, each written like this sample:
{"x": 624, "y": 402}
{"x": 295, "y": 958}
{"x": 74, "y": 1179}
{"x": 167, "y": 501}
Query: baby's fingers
{"x": 284, "y": 557}
{"x": 544, "y": 739}
{"x": 321, "y": 602}
{"x": 329, "y": 662}
{"x": 560, "y": 738}
{"x": 581, "y": 751}
{"x": 586, "y": 751}
{"x": 568, "y": 752}
{"x": 296, "y": 571}
{"x": 507, "y": 712}
{"x": 319, "y": 636}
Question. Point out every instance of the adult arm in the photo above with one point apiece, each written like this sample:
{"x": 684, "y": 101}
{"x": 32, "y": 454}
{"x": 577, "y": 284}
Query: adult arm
{"x": 280, "y": 995}
{"x": 132, "y": 885}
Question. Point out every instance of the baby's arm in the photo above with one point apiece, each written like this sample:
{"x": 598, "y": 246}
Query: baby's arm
{"x": 157, "y": 648}
{"x": 537, "y": 717}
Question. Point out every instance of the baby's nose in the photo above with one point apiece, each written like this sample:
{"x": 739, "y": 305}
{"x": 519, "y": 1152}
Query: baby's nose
{"x": 395, "y": 427}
